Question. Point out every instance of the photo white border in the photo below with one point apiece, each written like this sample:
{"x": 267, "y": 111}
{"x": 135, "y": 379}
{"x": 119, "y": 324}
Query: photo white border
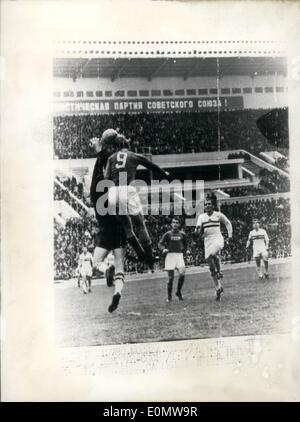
{"x": 31, "y": 364}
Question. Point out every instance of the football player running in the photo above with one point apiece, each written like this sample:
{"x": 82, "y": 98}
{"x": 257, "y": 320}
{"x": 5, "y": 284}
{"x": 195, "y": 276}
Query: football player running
{"x": 85, "y": 269}
{"x": 208, "y": 225}
{"x": 259, "y": 240}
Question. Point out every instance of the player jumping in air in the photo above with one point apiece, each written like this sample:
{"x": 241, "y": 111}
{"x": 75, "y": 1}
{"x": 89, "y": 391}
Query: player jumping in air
{"x": 111, "y": 235}
{"x": 98, "y": 175}
{"x": 173, "y": 244}
{"x": 259, "y": 240}
{"x": 123, "y": 197}
{"x": 208, "y": 225}
{"x": 85, "y": 269}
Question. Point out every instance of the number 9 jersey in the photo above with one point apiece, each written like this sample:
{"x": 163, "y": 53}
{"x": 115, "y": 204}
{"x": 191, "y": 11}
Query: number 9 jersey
{"x": 121, "y": 167}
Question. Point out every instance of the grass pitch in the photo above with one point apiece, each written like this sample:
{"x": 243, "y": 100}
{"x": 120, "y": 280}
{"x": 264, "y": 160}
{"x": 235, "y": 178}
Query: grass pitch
{"x": 248, "y": 307}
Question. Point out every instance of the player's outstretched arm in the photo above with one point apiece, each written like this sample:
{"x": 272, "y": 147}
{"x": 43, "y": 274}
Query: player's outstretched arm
{"x": 196, "y": 232}
{"x": 152, "y": 167}
{"x": 107, "y": 170}
{"x": 266, "y": 240}
{"x": 248, "y": 241}
{"x": 198, "y": 229}
{"x": 227, "y": 223}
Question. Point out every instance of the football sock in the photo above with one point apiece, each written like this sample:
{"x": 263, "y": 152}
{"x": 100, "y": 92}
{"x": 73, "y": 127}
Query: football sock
{"x": 170, "y": 287}
{"x": 257, "y": 262}
{"x": 84, "y": 286}
{"x": 119, "y": 282}
{"x": 258, "y": 265}
{"x": 217, "y": 263}
{"x": 216, "y": 282}
{"x": 266, "y": 263}
{"x": 180, "y": 282}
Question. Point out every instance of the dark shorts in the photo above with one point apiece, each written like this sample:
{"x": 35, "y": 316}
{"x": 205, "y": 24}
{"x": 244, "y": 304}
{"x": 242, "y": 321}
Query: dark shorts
{"x": 111, "y": 234}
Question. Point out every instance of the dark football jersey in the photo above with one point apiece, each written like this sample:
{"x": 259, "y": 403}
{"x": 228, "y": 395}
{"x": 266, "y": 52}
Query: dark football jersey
{"x": 98, "y": 174}
{"x": 126, "y": 162}
{"x": 111, "y": 233}
{"x": 174, "y": 241}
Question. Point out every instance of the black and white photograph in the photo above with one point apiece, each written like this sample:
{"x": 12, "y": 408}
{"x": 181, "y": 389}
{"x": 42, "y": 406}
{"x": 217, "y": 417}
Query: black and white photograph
{"x": 150, "y": 201}
{"x": 201, "y": 247}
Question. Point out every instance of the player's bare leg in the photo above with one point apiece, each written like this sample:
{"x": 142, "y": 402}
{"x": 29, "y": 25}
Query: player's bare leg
{"x": 99, "y": 255}
{"x": 213, "y": 272}
{"x": 118, "y": 279}
{"x": 84, "y": 284}
{"x": 214, "y": 275}
{"x": 180, "y": 283}
{"x": 170, "y": 284}
{"x": 258, "y": 266}
{"x": 217, "y": 262}
{"x": 266, "y": 265}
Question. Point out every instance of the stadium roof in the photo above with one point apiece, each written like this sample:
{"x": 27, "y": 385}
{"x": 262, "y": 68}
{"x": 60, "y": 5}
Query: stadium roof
{"x": 166, "y": 67}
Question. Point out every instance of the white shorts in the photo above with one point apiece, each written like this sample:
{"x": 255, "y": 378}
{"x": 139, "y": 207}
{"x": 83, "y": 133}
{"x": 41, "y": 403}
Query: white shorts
{"x": 102, "y": 267}
{"x": 124, "y": 200}
{"x": 86, "y": 272}
{"x": 213, "y": 245}
{"x": 174, "y": 260}
{"x": 261, "y": 253}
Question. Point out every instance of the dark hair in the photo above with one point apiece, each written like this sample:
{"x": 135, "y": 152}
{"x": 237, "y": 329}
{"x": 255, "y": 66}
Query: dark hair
{"x": 176, "y": 219}
{"x": 211, "y": 196}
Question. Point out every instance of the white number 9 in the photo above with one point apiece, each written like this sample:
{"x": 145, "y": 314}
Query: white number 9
{"x": 121, "y": 158}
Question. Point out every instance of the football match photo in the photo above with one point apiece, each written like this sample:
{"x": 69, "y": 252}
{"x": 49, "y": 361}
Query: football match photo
{"x": 171, "y": 198}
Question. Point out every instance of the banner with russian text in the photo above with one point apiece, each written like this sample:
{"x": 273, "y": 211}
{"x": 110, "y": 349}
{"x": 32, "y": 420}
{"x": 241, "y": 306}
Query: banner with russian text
{"x": 148, "y": 105}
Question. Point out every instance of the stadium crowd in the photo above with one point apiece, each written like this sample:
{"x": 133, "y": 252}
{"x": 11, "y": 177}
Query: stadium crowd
{"x": 273, "y": 182}
{"x": 282, "y": 163}
{"x": 273, "y": 215}
{"x": 270, "y": 182}
{"x": 235, "y": 155}
{"x": 245, "y": 191}
{"x": 72, "y": 186}
{"x": 163, "y": 133}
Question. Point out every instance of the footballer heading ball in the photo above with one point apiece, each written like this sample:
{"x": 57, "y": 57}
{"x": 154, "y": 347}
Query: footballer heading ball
{"x": 109, "y": 135}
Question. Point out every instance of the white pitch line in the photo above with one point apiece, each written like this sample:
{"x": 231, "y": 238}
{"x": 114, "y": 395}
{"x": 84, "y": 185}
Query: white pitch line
{"x": 64, "y": 284}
